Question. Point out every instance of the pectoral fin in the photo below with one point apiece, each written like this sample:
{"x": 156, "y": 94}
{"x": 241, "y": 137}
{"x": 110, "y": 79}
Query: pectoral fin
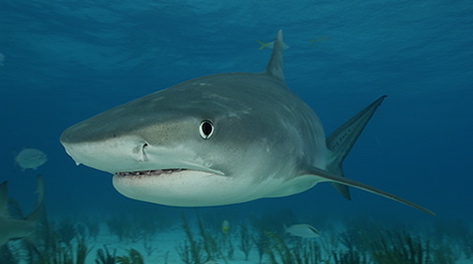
{"x": 330, "y": 177}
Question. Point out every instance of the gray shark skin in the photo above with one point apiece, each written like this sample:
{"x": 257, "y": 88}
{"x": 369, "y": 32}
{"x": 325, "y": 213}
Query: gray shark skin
{"x": 11, "y": 228}
{"x": 218, "y": 139}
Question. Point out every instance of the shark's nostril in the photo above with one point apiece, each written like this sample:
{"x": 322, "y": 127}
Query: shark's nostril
{"x": 143, "y": 152}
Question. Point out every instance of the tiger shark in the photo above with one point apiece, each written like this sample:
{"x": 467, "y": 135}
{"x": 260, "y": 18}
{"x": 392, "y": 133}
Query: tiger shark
{"x": 217, "y": 140}
{"x": 11, "y": 228}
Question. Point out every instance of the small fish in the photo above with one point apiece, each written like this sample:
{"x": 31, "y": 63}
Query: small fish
{"x": 302, "y": 230}
{"x": 225, "y": 227}
{"x": 318, "y": 39}
{"x": 30, "y": 158}
{"x": 270, "y": 45}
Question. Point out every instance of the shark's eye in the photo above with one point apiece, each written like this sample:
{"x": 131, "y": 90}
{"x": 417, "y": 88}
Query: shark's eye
{"x": 206, "y": 129}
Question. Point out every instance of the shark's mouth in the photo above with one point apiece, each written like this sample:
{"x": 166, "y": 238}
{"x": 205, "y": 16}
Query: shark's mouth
{"x": 146, "y": 173}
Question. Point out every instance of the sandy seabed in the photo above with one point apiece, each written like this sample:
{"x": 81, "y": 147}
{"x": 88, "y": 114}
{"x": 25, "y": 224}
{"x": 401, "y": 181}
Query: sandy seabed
{"x": 201, "y": 240}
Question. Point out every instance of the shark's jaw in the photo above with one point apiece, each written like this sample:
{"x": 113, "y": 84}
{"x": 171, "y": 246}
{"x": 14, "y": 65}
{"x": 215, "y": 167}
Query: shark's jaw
{"x": 177, "y": 187}
{"x": 147, "y": 173}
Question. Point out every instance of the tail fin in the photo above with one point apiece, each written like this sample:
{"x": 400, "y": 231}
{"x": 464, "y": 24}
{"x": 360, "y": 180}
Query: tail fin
{"x": 342, "y": 140}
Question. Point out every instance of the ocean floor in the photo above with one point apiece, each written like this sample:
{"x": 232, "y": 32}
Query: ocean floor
{"x": 205, "y": 239}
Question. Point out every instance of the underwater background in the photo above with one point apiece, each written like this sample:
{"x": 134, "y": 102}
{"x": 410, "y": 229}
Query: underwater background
{"x": 65, "y": 61}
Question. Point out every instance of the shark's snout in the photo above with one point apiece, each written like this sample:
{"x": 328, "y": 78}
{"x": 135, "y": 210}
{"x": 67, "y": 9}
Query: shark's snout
{"x": 112, "y": 155}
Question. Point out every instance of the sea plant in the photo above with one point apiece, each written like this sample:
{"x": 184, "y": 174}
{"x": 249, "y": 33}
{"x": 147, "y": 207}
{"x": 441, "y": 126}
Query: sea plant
{"x": 441, "y": 254}
{"x": 225, "y": 243}
{"x": 279, "y": 246}
{"x": 67, "y": 231}
{"x": 468, "y": 244}
{"x": 92, "y": 226}
{"x": 149, "y": 228}
{"x": 306, "y": 251}
{"x": 209, "y": 244}
{"x": 273, "y": 222}
{"x": 191, "y": 252}
{"x": 294, "y": 251}
{"x": 463, "y": 233}
{"x": 245, "y": 241}
{"x": 7, "y": 256}
{"x": 133, "y": 257}
{"x": 329, "y": 243}
{"x": 105, "y": 257}
{"x": 350, "y": 257}
{"x": 58, "y": 252}
{"x": 81, "y": 252}
{"x": 355, "y": 241}
{"x": 399, "y": 247}
{"x": 148, "y": 245}
{"x": 261, "y": 241}
{"x": 188, "y": 255}
{"x": 125, "y": 228}
{"x": 117, "y": 227}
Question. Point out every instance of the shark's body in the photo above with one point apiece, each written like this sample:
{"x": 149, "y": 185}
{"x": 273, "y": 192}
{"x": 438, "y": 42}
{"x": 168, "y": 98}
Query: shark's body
{"x": 216, "y": 140}
{"x": 11, "y": 228}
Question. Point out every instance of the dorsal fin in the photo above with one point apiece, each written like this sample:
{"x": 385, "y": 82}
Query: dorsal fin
{"x": 275, "y": 65}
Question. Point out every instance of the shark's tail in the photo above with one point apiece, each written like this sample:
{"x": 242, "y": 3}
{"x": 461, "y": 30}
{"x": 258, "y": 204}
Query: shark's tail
{"x": 342, "y": 140}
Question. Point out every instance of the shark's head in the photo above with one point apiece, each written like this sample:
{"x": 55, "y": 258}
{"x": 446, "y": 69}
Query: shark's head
{"x": 199, "y": 143}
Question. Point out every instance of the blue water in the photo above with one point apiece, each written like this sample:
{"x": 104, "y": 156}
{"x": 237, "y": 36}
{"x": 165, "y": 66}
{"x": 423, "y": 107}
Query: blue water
{"x": 68, "y": 60}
